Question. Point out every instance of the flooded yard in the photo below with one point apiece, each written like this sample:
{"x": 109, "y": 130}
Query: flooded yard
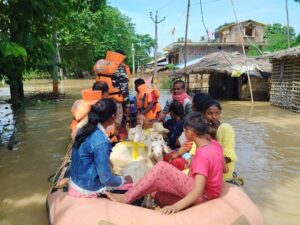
{"x": 267, "y": 145}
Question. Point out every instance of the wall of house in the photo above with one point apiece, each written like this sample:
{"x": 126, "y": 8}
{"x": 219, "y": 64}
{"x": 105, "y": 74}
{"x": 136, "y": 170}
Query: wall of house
{"x": 199, "y": 51}
{"x": 285, "y": 83}
{"x": 233, "y": 34}
{"x": 260, "y": 88}
{"x": 222, "y": 86}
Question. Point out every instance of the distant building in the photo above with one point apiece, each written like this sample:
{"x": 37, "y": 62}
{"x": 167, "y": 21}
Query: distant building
{"x": 252, "y": 30}
{"x": 224, "y": 76}
{"x": 228, "y": 40}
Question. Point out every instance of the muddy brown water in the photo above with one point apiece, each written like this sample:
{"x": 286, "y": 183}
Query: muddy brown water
{"x": 267, "y": 145}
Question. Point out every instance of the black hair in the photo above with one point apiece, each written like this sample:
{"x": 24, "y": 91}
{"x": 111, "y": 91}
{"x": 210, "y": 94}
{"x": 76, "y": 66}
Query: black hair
{"x": 100, "y": 86}
{"x": 182, "y": 84}
{"x": 120, "y": 52}
{"x": 100, "y": 112}
{"x": 139, "y": 82}
{"x": 195, "y": 121}
{"x": 199, "y": 101}
{"x": 210, "y": 103}
{"x": 212, "y": 128}
{"x": 177, "y": 109}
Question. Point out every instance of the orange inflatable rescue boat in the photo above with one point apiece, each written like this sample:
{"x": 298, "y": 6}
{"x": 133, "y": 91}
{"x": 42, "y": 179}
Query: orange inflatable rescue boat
{"x": 234, "y": 207}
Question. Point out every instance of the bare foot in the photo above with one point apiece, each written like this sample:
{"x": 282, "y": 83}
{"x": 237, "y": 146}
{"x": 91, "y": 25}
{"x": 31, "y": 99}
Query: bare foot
{"x": 115, "y": 197}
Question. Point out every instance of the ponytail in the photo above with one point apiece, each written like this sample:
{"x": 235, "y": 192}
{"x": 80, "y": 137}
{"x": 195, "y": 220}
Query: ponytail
{"x": 102, "y": 111}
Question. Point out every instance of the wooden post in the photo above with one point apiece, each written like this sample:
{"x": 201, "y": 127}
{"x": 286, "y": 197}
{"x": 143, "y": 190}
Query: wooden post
{"x": 55, "y": 66}
{"x": 186, "y": 77}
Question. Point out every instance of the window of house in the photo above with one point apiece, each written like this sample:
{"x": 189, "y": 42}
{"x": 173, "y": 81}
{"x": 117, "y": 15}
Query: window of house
{"x": 249, "y": 30}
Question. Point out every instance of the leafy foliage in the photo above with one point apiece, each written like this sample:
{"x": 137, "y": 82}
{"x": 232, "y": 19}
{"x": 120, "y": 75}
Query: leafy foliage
{"x": 88, "y": 35}
{"x": 224, "y": 25}
{"x": 276, "y": 37}
{"x": 85, "y": 29}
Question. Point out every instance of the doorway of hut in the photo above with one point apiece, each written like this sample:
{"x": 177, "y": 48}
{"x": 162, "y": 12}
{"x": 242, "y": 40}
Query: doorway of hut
{"x": 223, "y": 86}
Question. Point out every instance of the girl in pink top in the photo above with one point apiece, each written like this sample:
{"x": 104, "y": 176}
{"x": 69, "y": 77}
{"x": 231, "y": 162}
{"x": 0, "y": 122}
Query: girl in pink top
{"x": 174, "y": 190}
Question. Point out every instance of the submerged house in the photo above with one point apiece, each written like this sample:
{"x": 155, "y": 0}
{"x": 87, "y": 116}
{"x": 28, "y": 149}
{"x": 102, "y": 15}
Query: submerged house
{"x": 285, "y": 82}
{"x": 224, "y": 75}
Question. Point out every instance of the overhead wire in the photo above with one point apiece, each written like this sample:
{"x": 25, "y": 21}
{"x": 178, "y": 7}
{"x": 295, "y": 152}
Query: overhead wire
{"x": 177, "y": 21}
{"x": 205, "y": 27}
{"x": 243, "y": 47}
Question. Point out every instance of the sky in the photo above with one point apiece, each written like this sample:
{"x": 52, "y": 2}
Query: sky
{"x": 216, "y": 12}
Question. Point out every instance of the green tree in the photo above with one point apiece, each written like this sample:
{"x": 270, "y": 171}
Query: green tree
{"x": 30, "y": 24}
{"x": 87, "y": 36}
{"x": 276, "y": 37}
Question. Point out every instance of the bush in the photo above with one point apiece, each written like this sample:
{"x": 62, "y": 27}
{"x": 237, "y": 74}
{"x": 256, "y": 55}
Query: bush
{"x": 35, "y": 74}
{"x": 166, "y": 83}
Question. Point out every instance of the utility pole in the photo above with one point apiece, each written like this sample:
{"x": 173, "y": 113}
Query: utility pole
{"x": 156, "y": 21}
{"x": 133, "y": 65}
{"x": 185, "y": 43}
{"x": 288, "y": 23}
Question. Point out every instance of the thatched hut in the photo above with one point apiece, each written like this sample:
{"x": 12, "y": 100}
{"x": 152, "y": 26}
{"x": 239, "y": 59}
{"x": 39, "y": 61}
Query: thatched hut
{"x": 226, "y": 76}
{"x": 285, "y": 82}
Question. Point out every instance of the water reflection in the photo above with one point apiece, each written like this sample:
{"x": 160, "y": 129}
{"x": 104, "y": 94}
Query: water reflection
{"x": 7, "y": 126}
{"x": 267, "y": 145}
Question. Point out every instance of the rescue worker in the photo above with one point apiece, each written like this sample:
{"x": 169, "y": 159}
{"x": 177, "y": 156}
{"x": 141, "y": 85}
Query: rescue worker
{"x": 82, "y": 107}
{"x": 147, "y": 100}
{"x": 115, "y": 73}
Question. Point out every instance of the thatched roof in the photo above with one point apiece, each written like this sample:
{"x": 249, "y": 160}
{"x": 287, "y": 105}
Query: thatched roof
{"x": 286, "y": 53}
{"x": 225, "y": 63}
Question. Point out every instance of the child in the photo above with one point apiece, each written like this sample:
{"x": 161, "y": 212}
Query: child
{"x": 174, "y": 190}
{"x": 175, "y": 124}
{"x": 179, "y": 95}
{"x": 90, "y": 168}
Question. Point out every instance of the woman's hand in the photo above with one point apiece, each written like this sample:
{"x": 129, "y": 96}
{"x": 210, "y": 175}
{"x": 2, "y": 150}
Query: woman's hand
{"x": 170, "y": 209}
{"x": 128, "y": 180}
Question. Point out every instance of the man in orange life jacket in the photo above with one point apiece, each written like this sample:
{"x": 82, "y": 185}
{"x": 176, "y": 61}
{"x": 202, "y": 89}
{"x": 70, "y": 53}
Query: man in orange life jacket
{"x": 147, "y": 100}
{"x": 81, "y": 108}
{"x": 115, "y": 73}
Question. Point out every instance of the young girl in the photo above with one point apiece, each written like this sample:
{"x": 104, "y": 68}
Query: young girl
{"x": 90, "y": 170}
{"x": 174, "y": 190}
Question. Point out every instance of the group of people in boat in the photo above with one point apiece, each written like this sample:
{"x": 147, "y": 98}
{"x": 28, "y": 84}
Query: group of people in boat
{"x": 203, "y": 149}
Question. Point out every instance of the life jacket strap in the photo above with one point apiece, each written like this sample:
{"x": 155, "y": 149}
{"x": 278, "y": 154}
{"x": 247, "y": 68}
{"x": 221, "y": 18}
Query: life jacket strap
{"x": 115, "y": 93}
{"x": 103, "y": 75}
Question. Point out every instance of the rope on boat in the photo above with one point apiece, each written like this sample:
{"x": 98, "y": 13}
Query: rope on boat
{"x": 54, "y": 178}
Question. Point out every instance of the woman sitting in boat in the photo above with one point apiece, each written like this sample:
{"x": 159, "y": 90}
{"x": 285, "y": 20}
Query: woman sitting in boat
{"x": 225, "y": 136}
{"x": 175, "y": 190}
{"x": 211, "y": 110}
{"x": 90, "y": 168}
{"x": 179, "y": 95}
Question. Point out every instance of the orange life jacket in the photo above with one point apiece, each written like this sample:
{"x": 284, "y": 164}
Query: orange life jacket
{"x": 82, "y": 107}
{"x": 105, "y": 68}
{"x": 142, "y": 102}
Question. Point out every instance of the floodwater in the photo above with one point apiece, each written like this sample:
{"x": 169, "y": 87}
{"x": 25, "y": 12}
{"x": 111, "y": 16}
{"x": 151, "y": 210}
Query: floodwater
{"x": 267, "y": 145}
